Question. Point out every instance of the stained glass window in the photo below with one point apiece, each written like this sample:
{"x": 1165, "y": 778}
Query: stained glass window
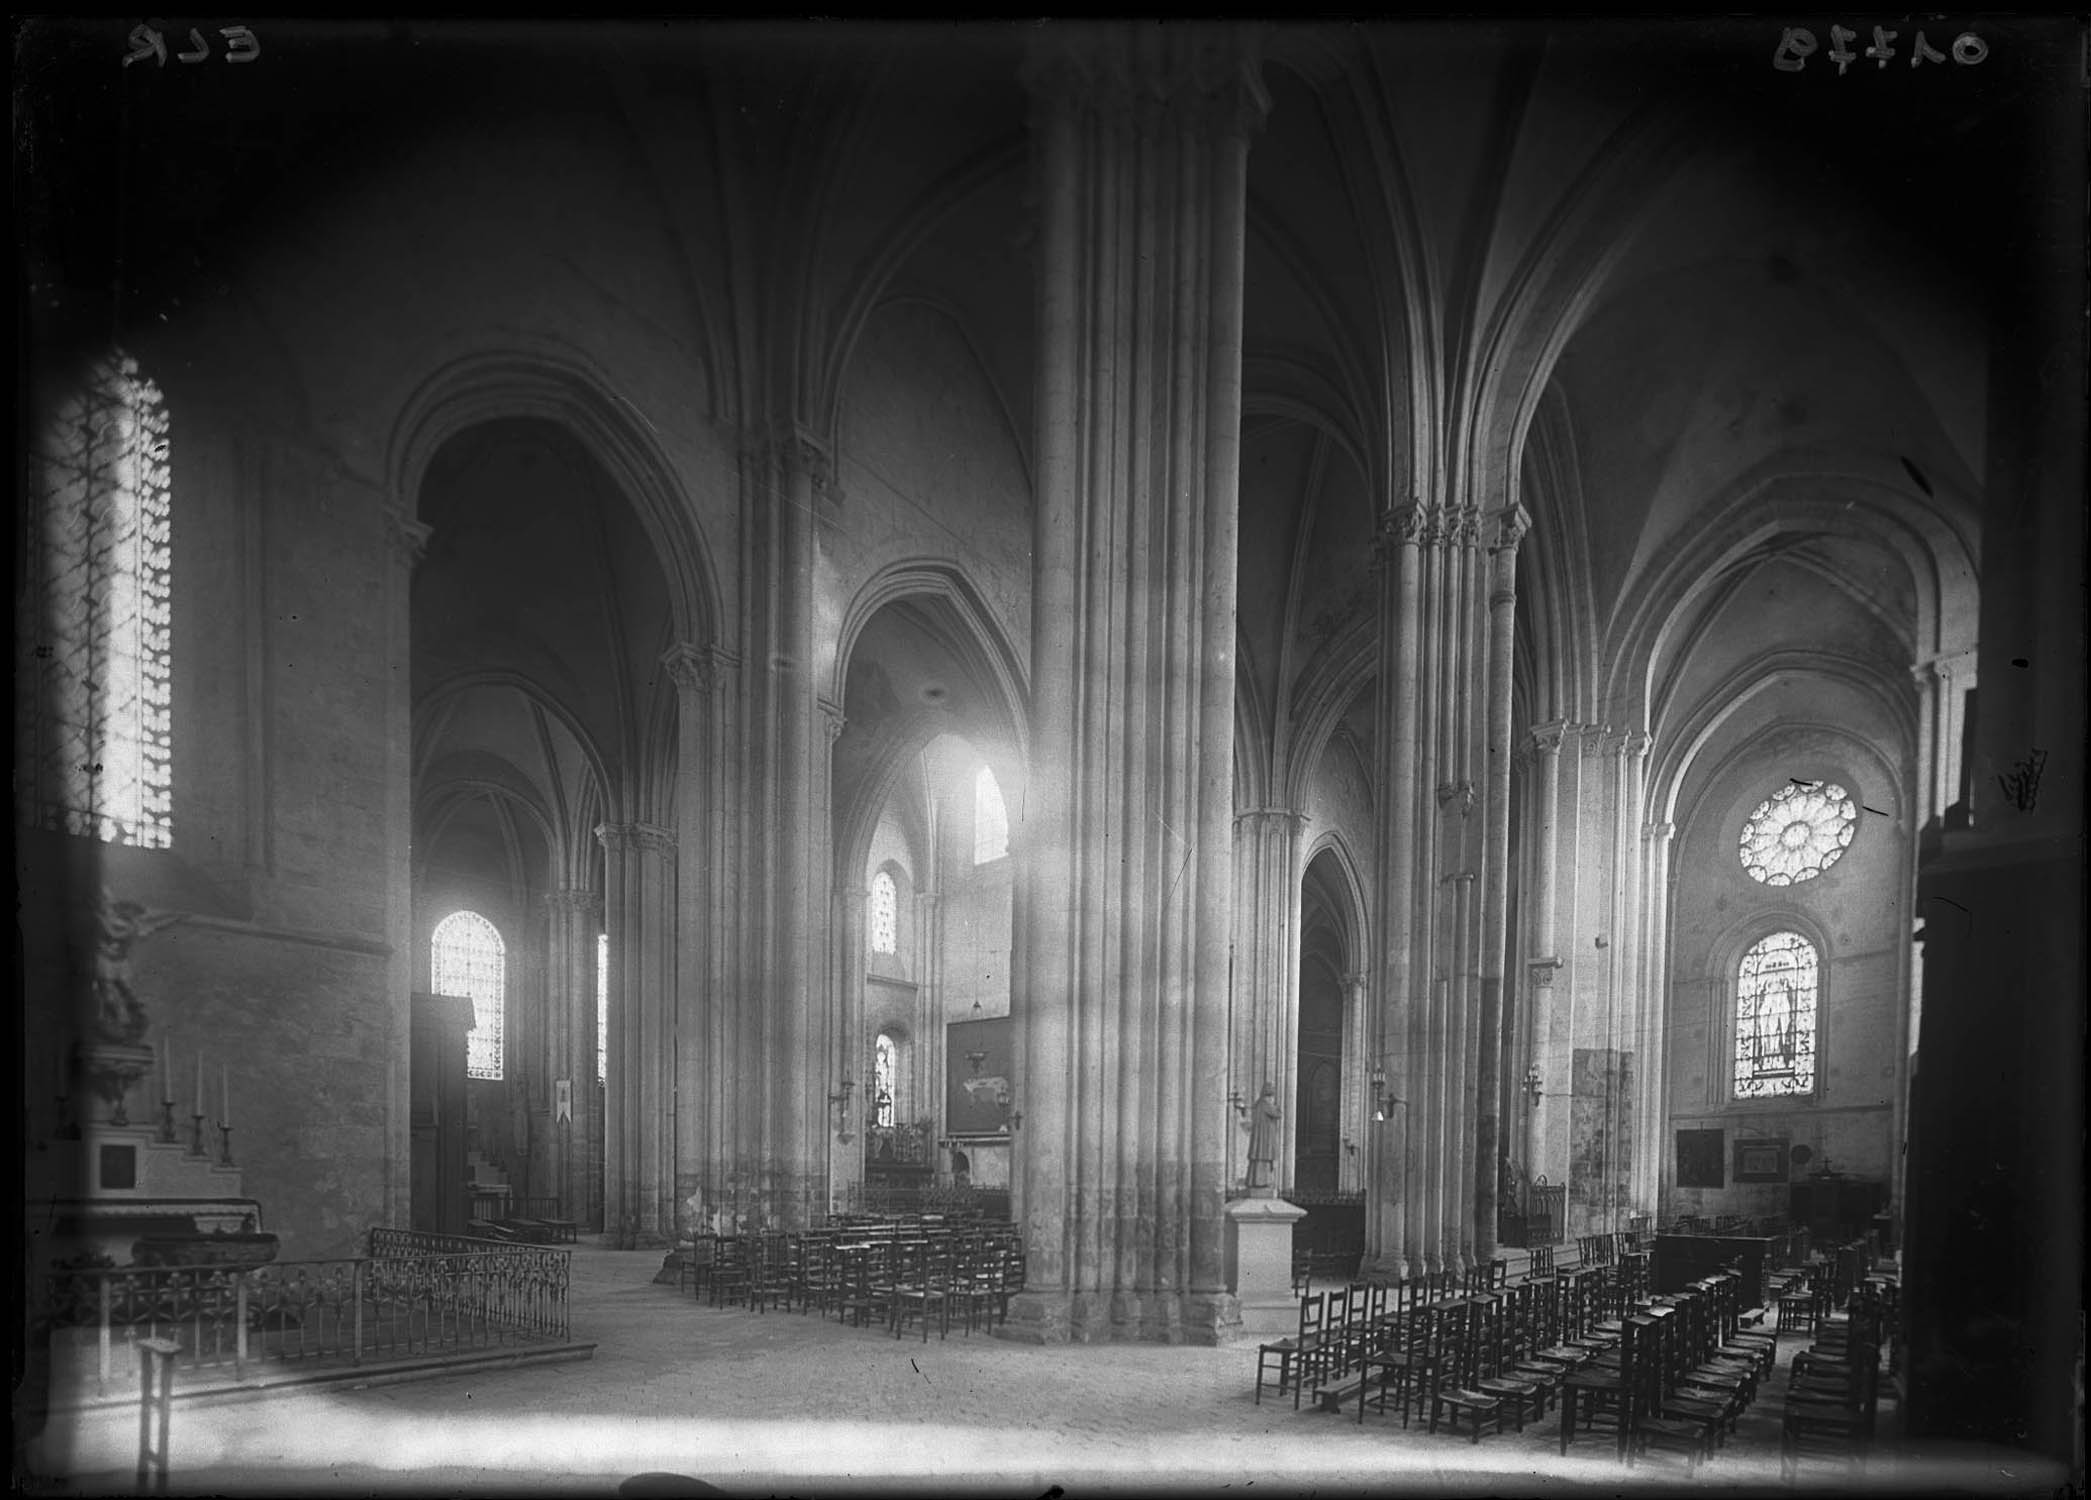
{"x": 885, "y": 1072}
{"x": 990, "y": 819}
{"x": 1775, "y": 1018}
{"x": 602, "y": 1006}
{"x": 469, "y": 958}
{"x": 885, "y": 914}
{"x": 1798, "y": 832}
{"x": 93, "y": 744}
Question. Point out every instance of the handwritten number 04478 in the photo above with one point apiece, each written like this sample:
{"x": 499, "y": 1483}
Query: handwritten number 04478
{"x": 1797, "y": 44}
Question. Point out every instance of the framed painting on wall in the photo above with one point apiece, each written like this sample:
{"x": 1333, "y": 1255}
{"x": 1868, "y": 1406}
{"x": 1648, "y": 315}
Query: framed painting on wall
{"x": 1761, "y": 1159}
{"x": 1699, "y": 1161}
{"x": 979, "y": 1081}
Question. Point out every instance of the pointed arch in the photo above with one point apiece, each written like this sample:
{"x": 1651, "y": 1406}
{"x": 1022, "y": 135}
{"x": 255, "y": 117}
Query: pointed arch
{"x": 558, "y": 385}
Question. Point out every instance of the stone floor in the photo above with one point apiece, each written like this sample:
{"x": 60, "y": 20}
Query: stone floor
{"x": 784, "y": 1403}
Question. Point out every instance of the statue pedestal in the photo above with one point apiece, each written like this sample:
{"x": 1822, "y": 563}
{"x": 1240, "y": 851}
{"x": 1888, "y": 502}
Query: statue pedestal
{"x": 1259, "y": 1264}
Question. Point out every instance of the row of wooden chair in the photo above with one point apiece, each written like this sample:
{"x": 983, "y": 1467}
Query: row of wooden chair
{"x": 896, "y": 1278}
{"x": 1832, "y": 1398}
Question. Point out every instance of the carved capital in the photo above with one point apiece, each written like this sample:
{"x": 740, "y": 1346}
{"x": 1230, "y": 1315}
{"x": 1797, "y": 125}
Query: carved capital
{"x": 792, "y": 450}
{"x": 1660, "y": 833}
{"x": 832, "y": 717}
{"x": 614, "y": 837}
{"x": 406, "y": 537}
{"x": 1510, "y": 524}
{"x": 1633, "y": 744}
{"x": 1148, "y": 79}
{"x": 1541, "y": 971}
{"x": 653, "y": 838}
{"x": 696, "y": 669}
{"x": 583, "y": 903}
{"x": 1548, "y": 737}
{"x": 1463, "y": 529}
{"x": 1461, "y": 792}
{"x": 1408, "y": 524}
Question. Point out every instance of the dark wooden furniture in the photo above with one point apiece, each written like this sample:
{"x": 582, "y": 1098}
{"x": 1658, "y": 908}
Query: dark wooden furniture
{"x": 436, "y": 1112}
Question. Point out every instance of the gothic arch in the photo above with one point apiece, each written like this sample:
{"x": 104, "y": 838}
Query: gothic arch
{"x": 1783, "y": 497}
{"x": 556, "y": 384}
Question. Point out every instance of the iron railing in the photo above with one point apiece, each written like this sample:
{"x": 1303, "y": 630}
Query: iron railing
{"x": 414, "y": 1296}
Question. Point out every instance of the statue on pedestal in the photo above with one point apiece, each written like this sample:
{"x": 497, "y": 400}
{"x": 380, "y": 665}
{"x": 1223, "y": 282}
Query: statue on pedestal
{"x": 1264, "y": 1116}
{"x": 119, "y": 1017}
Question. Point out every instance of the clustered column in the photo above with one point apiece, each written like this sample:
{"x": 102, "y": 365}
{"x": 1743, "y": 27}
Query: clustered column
{"x": 1124, "y": 881}
{"x": 574, "y": 920}
{"x": 1495, "y": 899}
{"x": 639, "y": 1126}
{"x": 406, "y": 541}
{"x": 707, "y": 1003}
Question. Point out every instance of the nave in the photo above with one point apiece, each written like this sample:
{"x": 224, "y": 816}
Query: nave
{"x": 782, "y": 1402}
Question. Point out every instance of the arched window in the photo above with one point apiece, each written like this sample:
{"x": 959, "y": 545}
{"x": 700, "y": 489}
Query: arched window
{"x": 92, "y": 736}
{"x": 602, "y": 1006}
{"x": 990, "y": 819}
{"x": 468, "y": 958}
{"x": 885, "y": 914}
{"x": 885, "y": 1078}
{"x": 1775, "y": 994}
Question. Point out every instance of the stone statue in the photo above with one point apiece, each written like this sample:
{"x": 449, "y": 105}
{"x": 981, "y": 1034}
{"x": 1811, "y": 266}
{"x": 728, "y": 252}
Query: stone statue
{"x": 1264, "y": 1116}
{"x": 119, "y": 1017}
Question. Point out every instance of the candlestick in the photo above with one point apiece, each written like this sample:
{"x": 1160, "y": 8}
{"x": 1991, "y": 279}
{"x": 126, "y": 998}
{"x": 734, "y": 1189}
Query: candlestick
{"x": 225, "y": 1151}
{"x": 166, "y": 1134}
{"x": 166, "y": 1071}
{"x": 199, "y": 1080}
{"x": 196, "y": 1135}
{"x": 225, "y": 1094}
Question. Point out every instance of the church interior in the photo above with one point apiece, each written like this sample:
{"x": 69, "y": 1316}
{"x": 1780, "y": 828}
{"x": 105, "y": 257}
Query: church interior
{"x": 1473, "y": 627}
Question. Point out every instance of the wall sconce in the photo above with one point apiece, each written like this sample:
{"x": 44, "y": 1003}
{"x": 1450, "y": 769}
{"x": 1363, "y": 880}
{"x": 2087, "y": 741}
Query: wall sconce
{"x": 1532, "y": 1086}
{"x": 841, "y": 1100}
{"x": 1382, "y": 1101}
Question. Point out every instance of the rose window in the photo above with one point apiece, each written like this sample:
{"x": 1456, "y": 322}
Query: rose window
{"x": 1798, "y": 832}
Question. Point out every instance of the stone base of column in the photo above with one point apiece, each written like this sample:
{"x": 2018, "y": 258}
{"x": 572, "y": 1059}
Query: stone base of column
{"x": 1259, "y": 1264}
{"x": 1054, "y": 1317}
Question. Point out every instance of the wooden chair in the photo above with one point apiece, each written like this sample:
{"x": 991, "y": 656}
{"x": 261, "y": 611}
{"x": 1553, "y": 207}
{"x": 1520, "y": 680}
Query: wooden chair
{"x": 925, "y": 1289}
{"x": 730, "y": 1272}
{"x": 1493, "y": 1374}
{"x": 1281, "y": 1357}
{"x": 1455, "y": 1398}
{"x": 1601, "y": 1393}
{"x": 1403, "y": 1367}
{"x": 1659, "y": 1423}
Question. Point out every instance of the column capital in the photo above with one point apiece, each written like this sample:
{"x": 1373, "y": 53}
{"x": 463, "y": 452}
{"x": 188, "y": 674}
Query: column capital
{"x": 1510, "y": 525}
{"x": 652, "y": 837}
{"x": 1149, "y": 78}
{"x": 617, "y": 838}
{"x": 1461, "y": 792}
{"x": 794, "y": 449}
{"x": 1410, "y": 523}
{"x": 581, "y": 902}
{"x": 832, "y": 714}
{"x": 1463, "y": 528}
{"x": 1279, "y": 815}
{"x": 698, "y": 669}
{"x": 1633, "y": 744}
{"x": 406, "y": 537}
{"x": 1541, "y": 971}
{"x": 1660, "y": 833}
{"x": 1547, "y": 738}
